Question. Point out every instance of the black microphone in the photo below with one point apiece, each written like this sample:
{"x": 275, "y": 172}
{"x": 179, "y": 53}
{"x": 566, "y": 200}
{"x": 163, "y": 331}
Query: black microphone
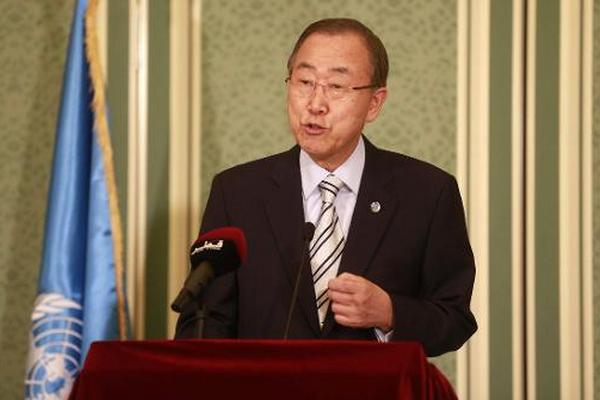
{"x": 215, "y": 253}
{"x": 309, "y": 231}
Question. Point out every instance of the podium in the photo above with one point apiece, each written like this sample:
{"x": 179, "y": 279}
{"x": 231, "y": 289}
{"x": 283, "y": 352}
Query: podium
{"x": 258, "y": 369}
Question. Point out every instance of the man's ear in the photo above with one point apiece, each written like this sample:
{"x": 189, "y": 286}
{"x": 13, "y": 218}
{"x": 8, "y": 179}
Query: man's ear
{"x": 377, "y": 99}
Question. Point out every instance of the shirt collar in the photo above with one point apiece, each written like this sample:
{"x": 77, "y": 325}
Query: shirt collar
{"x": 350, "y": 172}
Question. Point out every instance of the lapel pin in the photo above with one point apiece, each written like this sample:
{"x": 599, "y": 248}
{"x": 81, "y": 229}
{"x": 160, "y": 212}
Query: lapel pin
{"x": 375, "y": 207}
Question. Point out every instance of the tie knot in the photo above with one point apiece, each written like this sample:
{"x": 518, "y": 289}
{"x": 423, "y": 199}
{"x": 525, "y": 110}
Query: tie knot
{"x": 330, "y": 187}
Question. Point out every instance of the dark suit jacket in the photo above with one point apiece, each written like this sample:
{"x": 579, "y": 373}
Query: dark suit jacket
{"x": 416, "y": 248}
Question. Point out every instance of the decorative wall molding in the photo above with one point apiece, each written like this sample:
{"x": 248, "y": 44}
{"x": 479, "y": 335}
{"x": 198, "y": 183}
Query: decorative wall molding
{"x": 462, "y": 156}
{"x": 587, "y": 195}
{"x": 137, "y": 163}
{"x": 184, "y": 135}
{"x": 517, "y": 196}
{"x": 530, "y": 106}
{"x": 570, "y": 199}
{"x": 478, "y": 191}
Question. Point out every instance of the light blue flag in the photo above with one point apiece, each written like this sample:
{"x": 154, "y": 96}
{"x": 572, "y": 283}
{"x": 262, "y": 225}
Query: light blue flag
{"x": 80, "y": 291}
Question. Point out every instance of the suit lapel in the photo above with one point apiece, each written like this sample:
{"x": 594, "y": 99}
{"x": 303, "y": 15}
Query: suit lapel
{"x": 369, "y": 221}
{"x": 284, "y": 209}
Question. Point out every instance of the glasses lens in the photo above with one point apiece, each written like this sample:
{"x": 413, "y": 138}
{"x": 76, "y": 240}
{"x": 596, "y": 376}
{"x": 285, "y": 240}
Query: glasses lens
{"x": 335, "y": 92}
{"x": 307, "y": 88}
{"x": 304, "y": 87}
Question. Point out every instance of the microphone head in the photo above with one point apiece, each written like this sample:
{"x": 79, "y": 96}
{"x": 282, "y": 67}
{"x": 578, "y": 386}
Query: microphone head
{"x": 309, "y": 231}
{"x": 231, "y": 233}
{"x": 225, "y": 248}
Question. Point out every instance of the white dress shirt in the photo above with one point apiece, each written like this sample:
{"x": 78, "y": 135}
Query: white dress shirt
{"x": 350, "y": 172}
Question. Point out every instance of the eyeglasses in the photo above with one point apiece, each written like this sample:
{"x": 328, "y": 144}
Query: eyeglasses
{"x": 332, "y": 91}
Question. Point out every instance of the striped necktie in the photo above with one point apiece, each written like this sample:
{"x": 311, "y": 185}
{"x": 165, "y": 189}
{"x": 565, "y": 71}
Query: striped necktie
{"x": 327, "y": 244}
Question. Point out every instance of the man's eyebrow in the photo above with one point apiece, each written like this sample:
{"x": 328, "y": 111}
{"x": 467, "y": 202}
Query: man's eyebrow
{"x": 305, "y": 65}
{"x": 339, "y": 70}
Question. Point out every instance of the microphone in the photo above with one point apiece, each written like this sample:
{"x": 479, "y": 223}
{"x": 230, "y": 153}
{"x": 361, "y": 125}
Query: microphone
{"x": 309, "y": 231}
{"x": 213, "y": 254}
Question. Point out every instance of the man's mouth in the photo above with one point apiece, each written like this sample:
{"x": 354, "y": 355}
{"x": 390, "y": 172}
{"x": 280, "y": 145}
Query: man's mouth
{"x": 314, "y": 129}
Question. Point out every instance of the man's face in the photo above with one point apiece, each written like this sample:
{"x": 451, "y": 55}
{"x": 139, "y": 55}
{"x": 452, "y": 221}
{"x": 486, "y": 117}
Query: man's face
{"x": 329, "y": 129}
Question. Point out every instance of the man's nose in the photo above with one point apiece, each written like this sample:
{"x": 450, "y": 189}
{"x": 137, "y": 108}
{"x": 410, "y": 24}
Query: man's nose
{"x": 317, "y": 103}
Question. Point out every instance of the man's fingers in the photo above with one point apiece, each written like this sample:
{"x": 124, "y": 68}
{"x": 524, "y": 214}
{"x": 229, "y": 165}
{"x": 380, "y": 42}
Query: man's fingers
{"x": 340, "y": 297}
{"x": 357, "y": 302}
{"x": 340, "y": 285}
{"x": 348, "y": 277}
{"x": 342, "y": 309}
{"x": 346, "y": 282}
{"x": 347, "y": 321}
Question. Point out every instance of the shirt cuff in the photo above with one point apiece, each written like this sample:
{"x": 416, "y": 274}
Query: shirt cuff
{"x": 383, "y": 337}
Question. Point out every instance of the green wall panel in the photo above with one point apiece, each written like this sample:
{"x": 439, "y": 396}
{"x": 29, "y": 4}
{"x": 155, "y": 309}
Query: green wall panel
{"x": 500, "y": 265}
{"x": 158, "y": 171}
{"x": 245, "y": 48}
{"x": 546, "y": 202}
{"x": 33, "y": 42}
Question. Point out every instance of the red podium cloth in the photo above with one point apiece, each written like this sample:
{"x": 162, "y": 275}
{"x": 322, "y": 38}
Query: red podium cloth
{"x": 237, "y": 369}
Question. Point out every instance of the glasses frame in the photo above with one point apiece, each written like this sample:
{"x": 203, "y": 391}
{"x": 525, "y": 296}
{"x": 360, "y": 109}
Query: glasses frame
{"x": 325, "y": 91}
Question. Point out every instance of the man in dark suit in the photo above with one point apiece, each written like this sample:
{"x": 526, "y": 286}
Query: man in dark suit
{"x": 390, "y": 258}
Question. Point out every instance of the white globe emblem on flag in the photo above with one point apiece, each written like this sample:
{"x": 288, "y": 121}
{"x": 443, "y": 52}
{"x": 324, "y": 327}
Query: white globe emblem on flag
{"x": 55, "y": 347}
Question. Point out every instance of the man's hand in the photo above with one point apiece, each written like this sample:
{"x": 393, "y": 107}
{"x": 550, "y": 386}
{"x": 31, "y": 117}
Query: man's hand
{"x": 359, "y": 303}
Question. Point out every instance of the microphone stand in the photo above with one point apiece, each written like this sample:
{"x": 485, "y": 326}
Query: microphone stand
{"x": 309, "y": 231}
{"x": 198, "y": 317}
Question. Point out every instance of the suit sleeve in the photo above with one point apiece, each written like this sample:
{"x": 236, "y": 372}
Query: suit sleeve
{"x": 220, "y": 298}
{"x": 440, "y": 318}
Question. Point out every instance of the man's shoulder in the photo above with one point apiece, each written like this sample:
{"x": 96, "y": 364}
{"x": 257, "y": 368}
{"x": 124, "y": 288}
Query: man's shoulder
{"x": 405, "y": 167}
{"x": 417, "y": 182}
